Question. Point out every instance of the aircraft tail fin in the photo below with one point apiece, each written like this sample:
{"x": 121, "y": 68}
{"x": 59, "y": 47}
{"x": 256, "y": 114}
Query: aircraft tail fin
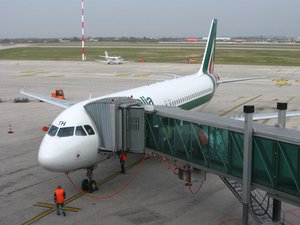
{"x": 207, "y": 66}
{"x": 106, "y": 54}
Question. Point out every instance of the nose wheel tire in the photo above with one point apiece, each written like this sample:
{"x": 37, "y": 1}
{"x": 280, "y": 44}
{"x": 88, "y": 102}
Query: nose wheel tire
{"x": 89, "y": 186}
{"x": 92, "y": 186}
{"x": 85, "y": 185}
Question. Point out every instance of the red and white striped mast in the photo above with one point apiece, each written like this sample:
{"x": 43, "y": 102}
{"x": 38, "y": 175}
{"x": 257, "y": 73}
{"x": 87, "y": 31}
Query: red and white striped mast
{"x": 82, "y": 32}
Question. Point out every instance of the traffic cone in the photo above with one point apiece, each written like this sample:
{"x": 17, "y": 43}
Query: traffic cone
{"x": 10, "y": 131}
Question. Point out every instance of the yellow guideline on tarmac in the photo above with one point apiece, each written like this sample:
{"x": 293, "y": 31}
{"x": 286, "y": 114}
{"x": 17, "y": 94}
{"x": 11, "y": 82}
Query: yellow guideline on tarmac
{"x": 52, "y": 208}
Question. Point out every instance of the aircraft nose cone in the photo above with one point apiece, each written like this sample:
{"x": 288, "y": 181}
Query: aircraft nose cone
{"x": 46, "y": 161}
{"x": 48, "y": 157}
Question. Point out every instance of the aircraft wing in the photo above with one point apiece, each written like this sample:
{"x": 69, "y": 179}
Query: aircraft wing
{"x": 264, "y": 116}
{"x": 103, "y": 61}
{"x": 54, "y": 101}
{"x": 238, "y": 79}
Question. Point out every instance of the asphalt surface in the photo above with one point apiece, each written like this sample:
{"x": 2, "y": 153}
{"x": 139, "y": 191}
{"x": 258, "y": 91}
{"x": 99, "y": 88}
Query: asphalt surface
{"x": 149, "y": 193}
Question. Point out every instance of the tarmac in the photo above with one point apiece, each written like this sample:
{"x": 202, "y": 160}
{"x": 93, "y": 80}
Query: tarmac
{"x": 149, "y": 193}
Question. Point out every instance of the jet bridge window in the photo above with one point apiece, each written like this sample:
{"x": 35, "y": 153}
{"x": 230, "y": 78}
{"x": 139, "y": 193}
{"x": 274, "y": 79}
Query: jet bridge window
{"x": 65, "y": 132}
{"x": 89, "y": 129}
{"x": 53, "y": 130}
{"x": 80, "y": 131}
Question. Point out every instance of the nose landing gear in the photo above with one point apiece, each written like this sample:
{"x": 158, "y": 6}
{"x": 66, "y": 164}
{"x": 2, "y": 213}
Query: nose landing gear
{"x": 89, "y": 185}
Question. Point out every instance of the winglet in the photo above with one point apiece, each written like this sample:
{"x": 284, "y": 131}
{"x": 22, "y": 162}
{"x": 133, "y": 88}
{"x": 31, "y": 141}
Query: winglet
{"x": 207, "y": 66}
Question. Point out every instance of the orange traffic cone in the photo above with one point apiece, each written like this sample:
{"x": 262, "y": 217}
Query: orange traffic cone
{"x": 10, "y": 131}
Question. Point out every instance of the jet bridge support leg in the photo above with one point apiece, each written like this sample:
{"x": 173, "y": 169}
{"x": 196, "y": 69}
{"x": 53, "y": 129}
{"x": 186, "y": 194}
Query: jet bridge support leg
{"x": 124, "y": 129}
{"x": 282, "y": 107}
{"x": 248, "y": 110}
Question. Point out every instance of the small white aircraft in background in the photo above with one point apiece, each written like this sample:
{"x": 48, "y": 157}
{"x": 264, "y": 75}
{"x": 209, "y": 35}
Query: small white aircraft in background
{"x": 72, "y": 140}
{"x": 113, "y": 59}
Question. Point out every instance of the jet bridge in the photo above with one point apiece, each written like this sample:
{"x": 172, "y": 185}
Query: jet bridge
{"x": 261, "y": 157}
{"x": 119, "y": 122}
{"x": 217, "y": 145}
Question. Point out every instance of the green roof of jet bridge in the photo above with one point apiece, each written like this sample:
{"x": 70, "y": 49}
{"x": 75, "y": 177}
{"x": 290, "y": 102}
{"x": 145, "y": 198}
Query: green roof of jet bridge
{"x": 262, "y": 130}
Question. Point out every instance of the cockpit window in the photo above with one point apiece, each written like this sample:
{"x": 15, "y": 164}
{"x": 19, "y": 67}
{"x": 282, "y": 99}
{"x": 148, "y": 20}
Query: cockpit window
{"x": 65, "y": 132}
{"x": 53, "y": 130}
{"x": 80, "y": 131}
{"x": 89, "y": 129}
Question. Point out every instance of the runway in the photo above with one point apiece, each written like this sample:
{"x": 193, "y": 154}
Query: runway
{"x": 154, "y": 195}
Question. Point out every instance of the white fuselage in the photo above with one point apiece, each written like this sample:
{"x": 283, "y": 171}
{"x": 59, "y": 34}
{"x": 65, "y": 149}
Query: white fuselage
{"x": 72, "y": 142}
{"x": 114, "y": 59}
{"x": 71, "y": 146}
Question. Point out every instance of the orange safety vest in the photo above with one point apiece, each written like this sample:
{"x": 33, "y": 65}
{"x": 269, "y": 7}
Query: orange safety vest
{"x": 60, "y": 198}
{"x": 123, "y": 156}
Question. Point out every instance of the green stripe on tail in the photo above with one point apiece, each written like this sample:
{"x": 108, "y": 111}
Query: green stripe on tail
{"x": 207, "y": 66}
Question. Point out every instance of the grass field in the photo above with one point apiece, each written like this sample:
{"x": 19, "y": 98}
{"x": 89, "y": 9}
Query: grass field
{"x": 279, "y": 55}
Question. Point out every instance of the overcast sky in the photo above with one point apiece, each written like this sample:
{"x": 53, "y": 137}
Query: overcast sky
{"x": 150, "y": 18}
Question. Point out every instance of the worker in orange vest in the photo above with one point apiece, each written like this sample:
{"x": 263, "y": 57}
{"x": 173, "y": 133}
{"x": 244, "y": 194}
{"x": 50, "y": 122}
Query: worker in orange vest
{"x": 123, "y": 157}
{"x": 59, "y": 199}
{"x": 203, "y": 137}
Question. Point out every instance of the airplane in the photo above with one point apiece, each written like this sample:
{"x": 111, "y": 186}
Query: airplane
{"x": 113, "y": 59}
{"x": 73, "y": 130}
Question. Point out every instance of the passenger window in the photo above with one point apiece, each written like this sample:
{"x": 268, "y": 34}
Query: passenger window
{"x": 52, "y": 131}
{"x": 89, "y": 129}
{"x": 80, "y": 131}
{"x": 65, "y": 132}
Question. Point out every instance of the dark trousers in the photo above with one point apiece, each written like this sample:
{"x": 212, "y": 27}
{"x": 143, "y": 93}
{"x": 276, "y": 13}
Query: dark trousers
{"x": 122, "y": 163}
{"x": 60, "y": 207}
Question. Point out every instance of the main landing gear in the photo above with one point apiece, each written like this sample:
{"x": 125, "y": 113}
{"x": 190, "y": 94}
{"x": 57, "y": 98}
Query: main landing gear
{"x": 89, "y": 185}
